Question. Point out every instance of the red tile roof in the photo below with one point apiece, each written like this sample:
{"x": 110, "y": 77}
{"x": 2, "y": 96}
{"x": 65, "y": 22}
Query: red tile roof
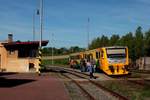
{"x": 26, "y": 43}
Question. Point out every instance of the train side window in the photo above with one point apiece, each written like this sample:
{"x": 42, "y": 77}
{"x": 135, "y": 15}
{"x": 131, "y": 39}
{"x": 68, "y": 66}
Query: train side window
{"x": 84, "y": 56}
{"x": 91, "y": 56}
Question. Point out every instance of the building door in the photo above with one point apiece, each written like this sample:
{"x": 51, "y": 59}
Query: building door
{"x": 0, "y": 61}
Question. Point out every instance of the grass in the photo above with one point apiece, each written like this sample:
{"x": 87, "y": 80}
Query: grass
{"x": 131, "y": 91}
{"x": 145, "y": 92}
{"x": 55, "y": 62}
{"x": 135, "y": 75}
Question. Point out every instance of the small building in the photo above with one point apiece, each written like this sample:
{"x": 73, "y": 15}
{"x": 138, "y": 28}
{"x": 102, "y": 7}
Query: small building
{"x": 143, "y": 63}
{"x": 17, "y": 56}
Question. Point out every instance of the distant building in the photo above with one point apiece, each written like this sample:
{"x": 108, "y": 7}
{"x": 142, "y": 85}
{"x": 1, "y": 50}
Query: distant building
{"x": 17, "y": 56}
{"x": 143, "y": 63}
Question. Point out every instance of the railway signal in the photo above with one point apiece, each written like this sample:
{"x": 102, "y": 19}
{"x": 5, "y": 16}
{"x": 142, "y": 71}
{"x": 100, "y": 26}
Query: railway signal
{"x": 40, "y": 12}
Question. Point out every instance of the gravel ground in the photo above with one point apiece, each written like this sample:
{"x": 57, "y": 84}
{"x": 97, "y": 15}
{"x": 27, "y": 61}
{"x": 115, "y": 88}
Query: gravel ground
{"x": 74, "y": 91}
{"x": 97, "y": 93}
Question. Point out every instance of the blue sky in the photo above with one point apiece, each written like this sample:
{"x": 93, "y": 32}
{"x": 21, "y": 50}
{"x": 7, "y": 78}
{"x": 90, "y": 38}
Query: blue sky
{"x": 67, "y": 19}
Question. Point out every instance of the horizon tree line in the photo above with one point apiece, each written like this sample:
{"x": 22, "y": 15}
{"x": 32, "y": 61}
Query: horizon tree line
{"x": 138, "y": 44}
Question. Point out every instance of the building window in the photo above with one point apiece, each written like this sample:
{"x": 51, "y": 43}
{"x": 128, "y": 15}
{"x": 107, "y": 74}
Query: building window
{"x": 0, "y": 61}
{"x": 27, "y": 53}
{"x": 11, "y": 52}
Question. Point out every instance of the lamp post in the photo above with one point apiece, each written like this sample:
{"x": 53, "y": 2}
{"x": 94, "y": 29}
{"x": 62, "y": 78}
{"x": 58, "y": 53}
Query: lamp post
{"x": 41, "y": 22}
{"x": 34, "y": 25}
{"x": 52, "y": 49}
{"x": 88, "y": 30}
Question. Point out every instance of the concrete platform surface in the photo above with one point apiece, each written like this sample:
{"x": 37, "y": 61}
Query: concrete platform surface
{"x": 31, "y": 87}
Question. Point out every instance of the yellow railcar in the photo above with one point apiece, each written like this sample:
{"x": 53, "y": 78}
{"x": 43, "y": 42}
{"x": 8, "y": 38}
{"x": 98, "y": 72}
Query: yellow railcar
{"x": 114, "y": 60}
{"x": 111, "y": 60}
{"x": 74, "y": 59}
{"x": 92, "y": 54}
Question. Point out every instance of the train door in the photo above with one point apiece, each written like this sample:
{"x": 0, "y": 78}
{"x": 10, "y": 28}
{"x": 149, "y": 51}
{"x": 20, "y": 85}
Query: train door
{"x": 102, "y": 59}
{"x": 97, "y": 59}
{"x": 88, "y": 56}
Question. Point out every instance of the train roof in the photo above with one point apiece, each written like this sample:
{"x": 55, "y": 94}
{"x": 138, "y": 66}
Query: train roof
{"x": 116, "y": 47}
{"x": 87, "y": 51}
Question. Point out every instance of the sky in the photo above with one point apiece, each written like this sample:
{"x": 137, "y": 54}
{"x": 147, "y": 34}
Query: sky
{"x": 66, "y": 21}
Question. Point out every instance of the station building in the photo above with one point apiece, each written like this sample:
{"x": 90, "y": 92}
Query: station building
{"x": 17, "y": 56}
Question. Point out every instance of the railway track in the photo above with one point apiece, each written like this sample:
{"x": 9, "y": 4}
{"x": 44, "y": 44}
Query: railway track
{"x": 85, "y": 76}
{"x": 140, "y": 71}
{"x": 88, "y": 95}
{"x": 144, "y": 77}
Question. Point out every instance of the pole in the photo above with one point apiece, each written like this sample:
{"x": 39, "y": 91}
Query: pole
{"x": 34, "y": 25}
{"x": 41, "y": 22}
{"x": 88, "y": 30}
{"x": 52, "y": 49}
{"x": 41, "y": 31}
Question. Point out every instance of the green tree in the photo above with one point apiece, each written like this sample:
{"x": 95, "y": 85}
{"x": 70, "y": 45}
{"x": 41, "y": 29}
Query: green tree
{"x": 74, "y": 49}
{"x": 95, "y": 43}
{"x": 139, "y": 42}
{"x": 104, "y": 41}
{"x": 114, "y": 40}
{"x": 129, "y": 41}
{"x": 147, "y": 43}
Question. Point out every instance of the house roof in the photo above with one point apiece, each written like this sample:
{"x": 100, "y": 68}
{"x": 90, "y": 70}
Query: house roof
{"x": 16, "y": 44}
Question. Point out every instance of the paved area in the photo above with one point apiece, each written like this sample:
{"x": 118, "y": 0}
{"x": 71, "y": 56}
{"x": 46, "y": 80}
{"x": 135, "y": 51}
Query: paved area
{"x": 31, "y": 87}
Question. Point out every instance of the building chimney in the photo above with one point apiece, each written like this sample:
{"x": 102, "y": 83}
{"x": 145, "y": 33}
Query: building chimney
{"x": 10, "y": 37}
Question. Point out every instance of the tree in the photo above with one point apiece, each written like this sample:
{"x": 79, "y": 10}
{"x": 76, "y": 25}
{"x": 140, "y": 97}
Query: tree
{"x": 129, "y": 41}
{"x": 114, "y": 40}
{"x": 95, "y": 43}
{"x": 104, "y": 41}
{"x": 147, "y": 43}
{"x": 99, "y": 42}
{"x": 74, "y": 49}
{"x": 139, "y": 43}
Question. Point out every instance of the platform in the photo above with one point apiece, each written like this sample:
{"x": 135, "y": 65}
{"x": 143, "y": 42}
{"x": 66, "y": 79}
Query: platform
{"x": 31, "y": 87}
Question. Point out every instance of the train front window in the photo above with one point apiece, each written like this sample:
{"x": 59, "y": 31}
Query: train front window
{"x": 116, "y": 53}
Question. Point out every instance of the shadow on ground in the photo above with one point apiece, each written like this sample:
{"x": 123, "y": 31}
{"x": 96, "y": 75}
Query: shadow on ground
{"x": 5, "y": 73}
{"x": 8, "y": 83}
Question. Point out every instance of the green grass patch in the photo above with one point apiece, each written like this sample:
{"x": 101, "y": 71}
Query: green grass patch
{"x": 131, "y": 91}
{"x": 145, "y": 92}
{"x": 55, "y": 62}
{"x": 135, "y": 75}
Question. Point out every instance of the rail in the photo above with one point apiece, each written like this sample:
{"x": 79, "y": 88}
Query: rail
{"x": 74, "y": 72}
